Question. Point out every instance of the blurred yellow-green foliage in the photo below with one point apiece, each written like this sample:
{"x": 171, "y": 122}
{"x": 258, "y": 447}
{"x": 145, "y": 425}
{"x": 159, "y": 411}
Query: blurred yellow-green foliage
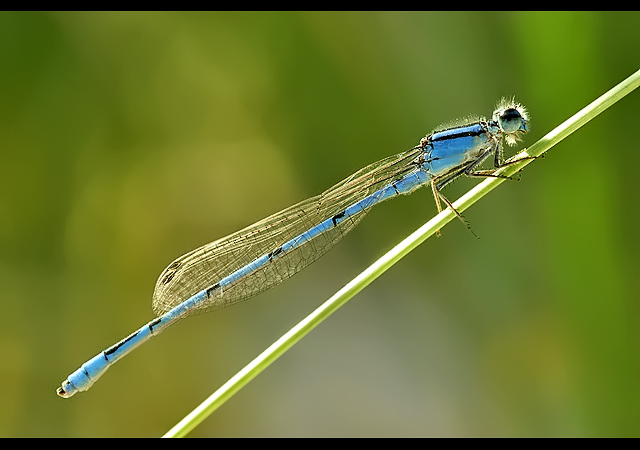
{"x": 127, "y": 139}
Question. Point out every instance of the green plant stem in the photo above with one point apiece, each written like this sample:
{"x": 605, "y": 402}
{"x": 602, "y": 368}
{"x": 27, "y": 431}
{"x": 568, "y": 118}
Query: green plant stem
{"x": 398, "y": 252}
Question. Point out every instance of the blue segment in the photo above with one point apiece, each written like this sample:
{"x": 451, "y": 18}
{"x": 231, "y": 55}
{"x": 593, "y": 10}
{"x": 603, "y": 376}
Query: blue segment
{"x": 452, "y": 148}
{"x": 264, "y": 254}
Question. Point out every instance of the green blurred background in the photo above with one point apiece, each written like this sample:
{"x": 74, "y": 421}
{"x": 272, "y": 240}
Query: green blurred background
{"x": 127, "y": 139}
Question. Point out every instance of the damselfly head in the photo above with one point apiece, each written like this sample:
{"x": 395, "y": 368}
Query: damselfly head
{"x": 513, "y": 120}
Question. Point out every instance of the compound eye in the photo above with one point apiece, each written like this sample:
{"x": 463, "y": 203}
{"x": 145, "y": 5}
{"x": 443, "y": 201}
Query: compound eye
{"x": 511, "y": 120}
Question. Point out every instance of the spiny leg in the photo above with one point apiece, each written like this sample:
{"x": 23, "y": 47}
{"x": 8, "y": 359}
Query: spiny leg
{"x": 436, "y": 196}
{"x": 464, "y": 221}
{"x": 498, "y": 162}
{"x": 437, "y": 188}
{"x": 490, "y": 172}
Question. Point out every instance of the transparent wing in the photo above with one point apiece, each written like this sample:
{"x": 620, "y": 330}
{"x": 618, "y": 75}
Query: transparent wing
{"x": 207, "y": 265}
